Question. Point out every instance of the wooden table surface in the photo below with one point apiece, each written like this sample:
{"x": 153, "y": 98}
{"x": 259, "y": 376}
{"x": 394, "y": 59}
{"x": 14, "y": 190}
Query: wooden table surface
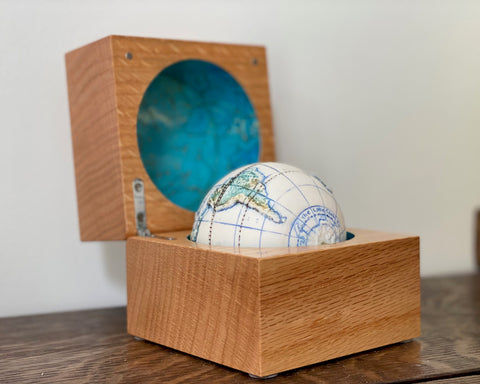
{"x": 93, "y": 347}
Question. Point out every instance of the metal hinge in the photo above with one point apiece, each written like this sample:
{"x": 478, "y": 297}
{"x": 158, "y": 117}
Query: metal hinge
{"x": 140, "y": 213}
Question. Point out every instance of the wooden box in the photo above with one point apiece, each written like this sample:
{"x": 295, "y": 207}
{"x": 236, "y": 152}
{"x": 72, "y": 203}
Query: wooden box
{"x": 261, "y": 311}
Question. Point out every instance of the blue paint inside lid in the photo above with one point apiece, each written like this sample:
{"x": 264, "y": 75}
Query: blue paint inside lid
{"x": 195, "y": 124}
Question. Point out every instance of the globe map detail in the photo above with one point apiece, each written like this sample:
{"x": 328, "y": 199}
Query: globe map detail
{"x": 269, "y": 205}
{"x": 247, "y": 189}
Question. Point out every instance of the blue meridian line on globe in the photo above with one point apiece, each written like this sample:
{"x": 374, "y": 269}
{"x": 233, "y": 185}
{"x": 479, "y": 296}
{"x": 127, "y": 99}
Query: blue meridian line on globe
{"x": 256, "y": 172}
{"x": 268, "y": 178}
{"x": 205, "y": 206}
{"x": 279, "y": 173}
{"x": 283, "y": 194}
{"x": 246, "y": 207}
{"x": 318, "y": 187}
{"x": 284, "y": 175}
{"x": 323, "y": 202}
{"x": 223, "y": 189}
{"x": 330, "y": 191}
{"x": 247, "y": 227}
{"x": 319, "y": 193}
{"x": 262, "y": 180}
{"x": 323, "y": 184}
{"x": 276, "y": 201}
{"x": 261, "y": 233}
{"x": 262, "y": 195}
{"x": 237, "y": 224}
{"x": 269, "y": 200}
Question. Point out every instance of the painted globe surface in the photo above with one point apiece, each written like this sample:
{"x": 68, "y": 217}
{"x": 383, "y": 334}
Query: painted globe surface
{"x": 269, "y": 205}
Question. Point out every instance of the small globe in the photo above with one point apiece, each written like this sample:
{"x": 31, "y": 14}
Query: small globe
{"x": 269, "y": 205}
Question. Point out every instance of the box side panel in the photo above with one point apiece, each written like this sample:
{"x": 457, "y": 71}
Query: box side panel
{"x": 93, "y": 116}
{"x": 196, "y": 301}
{"x": 247, "y": 64}
{"x": 328, "y": 304}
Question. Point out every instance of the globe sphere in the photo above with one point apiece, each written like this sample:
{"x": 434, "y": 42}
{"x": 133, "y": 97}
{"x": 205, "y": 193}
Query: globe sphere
{"x": 269, "y": 205}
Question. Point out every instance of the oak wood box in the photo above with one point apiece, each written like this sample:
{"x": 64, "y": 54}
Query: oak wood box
{"x": 261, "y": 311}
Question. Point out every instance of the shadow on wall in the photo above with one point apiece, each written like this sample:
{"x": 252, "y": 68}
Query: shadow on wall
{"x": 115, "y": 262}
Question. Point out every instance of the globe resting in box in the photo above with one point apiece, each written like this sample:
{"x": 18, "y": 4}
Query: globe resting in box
{"x": 269, "y": 204}
{"x": 259, "y": 311}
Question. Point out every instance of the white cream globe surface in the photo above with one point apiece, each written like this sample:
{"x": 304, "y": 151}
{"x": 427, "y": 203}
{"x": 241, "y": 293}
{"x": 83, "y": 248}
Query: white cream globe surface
{"x": 269, "y": 205}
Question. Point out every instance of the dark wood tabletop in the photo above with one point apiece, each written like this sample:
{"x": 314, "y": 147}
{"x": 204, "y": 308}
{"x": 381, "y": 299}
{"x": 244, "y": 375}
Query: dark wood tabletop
{"x": 94, "y": 347}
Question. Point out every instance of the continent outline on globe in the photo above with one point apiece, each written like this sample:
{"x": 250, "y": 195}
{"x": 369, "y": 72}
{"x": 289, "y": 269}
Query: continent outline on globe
{"x": 230, "y": 213}
{"x": 235, "y": 191}
{"x": 302, "y": 230}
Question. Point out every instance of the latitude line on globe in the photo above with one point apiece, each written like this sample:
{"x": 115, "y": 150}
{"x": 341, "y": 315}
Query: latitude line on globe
{"x": 223, "y": 191}
{"x": 267, "y": 179}
{"x": 261, "y": 233}
{"x": 274, "y": 202}
{"x": 238, "y": 201}
{"x": 262, "y": 195}
{"x": 293, "y": 214}
{"x": 329, "y": 192}
{"x": 284, "y": 175}
{"x": 252, "y": 228}
{"x": 318, "y": 191}
{"x": 250, "y": 197}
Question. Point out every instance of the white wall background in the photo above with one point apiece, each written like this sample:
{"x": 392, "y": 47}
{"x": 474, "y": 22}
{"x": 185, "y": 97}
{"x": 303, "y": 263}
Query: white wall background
{"x": 380, "y": 98}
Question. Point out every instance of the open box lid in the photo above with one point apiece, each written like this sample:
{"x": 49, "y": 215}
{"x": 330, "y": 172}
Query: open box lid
{"x": 177, "y": 115}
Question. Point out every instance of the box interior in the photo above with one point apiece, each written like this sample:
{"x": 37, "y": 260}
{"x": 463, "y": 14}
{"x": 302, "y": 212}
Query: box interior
{"x": 195, "y": 124}
{"x": 189, "y": 113}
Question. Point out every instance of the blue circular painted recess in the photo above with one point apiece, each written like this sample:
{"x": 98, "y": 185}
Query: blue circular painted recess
{"x": 195, "y": 124}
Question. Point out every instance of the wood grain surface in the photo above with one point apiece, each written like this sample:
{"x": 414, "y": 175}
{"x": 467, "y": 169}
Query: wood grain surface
{"x": 280, "y": 310}
{"x": 361, "y": 236}
{"x": 95, "y": 137}
{"x": 94, "y": 347}
{"x": 132, "y": 77}
{"x": 321, "y": 305}
{"x": 205, "y": 303}
{"x": 105, "y": 92}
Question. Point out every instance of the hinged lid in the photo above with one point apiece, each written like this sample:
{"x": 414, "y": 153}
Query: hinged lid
{"x": 176, "y": 115}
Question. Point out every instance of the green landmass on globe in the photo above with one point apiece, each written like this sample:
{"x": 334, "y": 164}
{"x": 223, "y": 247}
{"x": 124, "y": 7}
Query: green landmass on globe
{"x": 268, "y": 205}
{"x": 246, "y": 188}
